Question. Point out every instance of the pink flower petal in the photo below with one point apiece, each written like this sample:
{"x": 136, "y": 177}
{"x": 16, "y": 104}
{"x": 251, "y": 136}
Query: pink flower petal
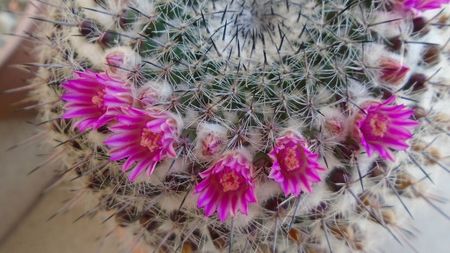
{"x": 142, "y": 146}
{"x": 293, "y": 164}
{"x": 383, "y": 127}
{"x": 85, "y": 99}
{"x": 226, "y": 187}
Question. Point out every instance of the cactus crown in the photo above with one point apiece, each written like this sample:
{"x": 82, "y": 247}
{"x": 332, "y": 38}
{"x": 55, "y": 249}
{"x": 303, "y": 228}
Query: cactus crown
{"x": 241, "y": 106}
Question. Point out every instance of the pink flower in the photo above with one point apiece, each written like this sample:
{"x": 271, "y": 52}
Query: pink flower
{"x": 211, "y": 145}
{"x": 148, "y": 97}
{"x": 143, "y": 138}
{"x": 227, "y": 186}
{"x": 294, "y": 166}
{"x": 334, "y": 126}
{"x": 392, "y": 71}
{"x": 383, "y": 127}
{"x": 122, "y": 63}
{"x": 422, "y": 5}
{"x": 115, "y": 60}
{"x": 92, "y": 99}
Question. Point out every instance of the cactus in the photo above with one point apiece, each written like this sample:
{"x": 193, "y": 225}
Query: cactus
{"x": 261, "y": 126}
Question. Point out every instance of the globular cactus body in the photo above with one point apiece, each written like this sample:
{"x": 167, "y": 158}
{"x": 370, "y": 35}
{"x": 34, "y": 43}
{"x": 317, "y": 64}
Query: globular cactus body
{"x": 248, "y": 126}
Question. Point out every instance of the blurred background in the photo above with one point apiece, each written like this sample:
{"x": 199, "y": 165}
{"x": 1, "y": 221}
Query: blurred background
{"x": 28, "y": 202}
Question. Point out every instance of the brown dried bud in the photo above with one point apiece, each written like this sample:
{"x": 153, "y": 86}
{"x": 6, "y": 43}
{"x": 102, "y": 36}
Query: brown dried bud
{"x": 126, "y": 216}
{"x": 416, "y": 82}
{"x": 378, "y": 168}
{"x": 109, "y": 39}
{"x": 217, "y": 236}
{"x": 404, "y": 181}
{"x": 296, "y": 235}
{"x": 337, "y": 178}
{"x": 443, "y": 20}
{"x": 395, "y": 43}
{"x": 434, "y": 156}
{"x": 388, "y": 216}
{"x": 89, "y": 29}
{"x": 419, "y": 112}
{"x": 126, "y": 18}
{"x": 420, "y": 26}
{"x": 149, "y": 220}
{"x": 343, "y": 232}
{"x": 418, "y": 146}
{"x": 370, "y": 200}
{"x": 187, "y": 248}
{"x": 431, "y": 55}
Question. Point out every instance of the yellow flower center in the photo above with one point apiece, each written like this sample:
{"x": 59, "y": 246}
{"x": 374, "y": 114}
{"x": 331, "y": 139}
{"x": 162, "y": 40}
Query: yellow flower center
{"x": 230, "y": 181}
{"x": 291, "y": 160}
{"x": 379, "y": 125}
{"x": 98, "y": 99}
{"x": 150, "y": 139}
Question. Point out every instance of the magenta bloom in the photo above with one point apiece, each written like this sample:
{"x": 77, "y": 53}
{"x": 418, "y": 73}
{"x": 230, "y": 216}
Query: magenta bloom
{"x": 294, "y": 166}
{"x": 422, "y": 5}
{"x": 92, "y": 99}
{"x": 383, "y": 127}
{"x": 142, "y": 138}
{"x": 227, "y": 186}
